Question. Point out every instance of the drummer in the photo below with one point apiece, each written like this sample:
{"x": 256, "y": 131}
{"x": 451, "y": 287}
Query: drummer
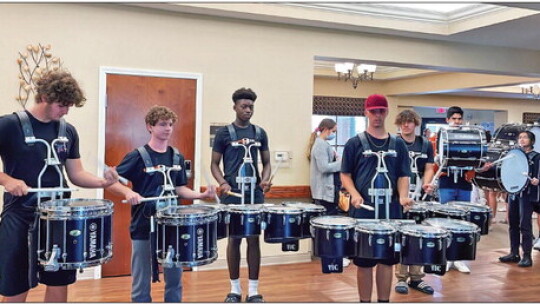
{"x": 244, "y": 103}
{"x": 407, "y": 121}
{"x": 159, "y": 123}
{"x": 57, "y": 92}
{"x": 356, "y": 173}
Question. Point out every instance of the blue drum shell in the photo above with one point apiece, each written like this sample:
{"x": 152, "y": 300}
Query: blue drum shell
{"x": 462, "y": 246}
{"x": 431, "y": 253}
{"x": 481, "y": 219}
{"x": 243, "y": 225}
{"x": 417, "y": 215}
{"x": 87, "y": 240}
{"x": 306, "y": 217}
{"x": 375, "y": 246}
{"x": 334, "y": 243}
{"x": 222, "y": 225}
{"x": 194, "y": 244}
{"x": 281, "y": 228}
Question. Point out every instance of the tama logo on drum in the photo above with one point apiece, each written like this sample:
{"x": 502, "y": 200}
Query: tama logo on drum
{"x": 93, "y": 239}
{"x": 200, "y": 243}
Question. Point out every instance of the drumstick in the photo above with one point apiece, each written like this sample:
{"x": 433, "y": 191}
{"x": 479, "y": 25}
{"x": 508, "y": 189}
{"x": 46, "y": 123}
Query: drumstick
{"x": 207, "y": 178}
{"x": 234, "y": 194}
{"x": 527, "y": 175}
{"x": 274, "y": 174}
{"x": 503, "y": 159}
{"x": 367, "y": 207}
{"x": 121, "y": 179}
{"x": 157, "y": 198}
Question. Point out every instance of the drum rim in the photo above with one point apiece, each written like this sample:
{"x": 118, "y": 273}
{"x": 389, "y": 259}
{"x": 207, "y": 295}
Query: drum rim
{"x": 45, "y": 206}
{"x": 163, "y": 213}
{"x": 440, "y": 233}
{"x": 246, "y": 208}
{"x": 278, "y": 210}
{"x": 305, "y": 206}
{"x": 451, "y": 228}
{"x": 361, "y": 227}
{"x": 337, "y": 226}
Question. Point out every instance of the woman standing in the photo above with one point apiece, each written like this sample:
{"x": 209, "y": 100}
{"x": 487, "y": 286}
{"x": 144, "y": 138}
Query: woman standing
{"x": 324, "y": 163}
{"x": 520, "y": 208}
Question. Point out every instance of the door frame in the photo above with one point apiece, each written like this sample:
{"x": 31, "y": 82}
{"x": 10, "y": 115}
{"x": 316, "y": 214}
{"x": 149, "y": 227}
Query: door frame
{"x": 103, "y": 72}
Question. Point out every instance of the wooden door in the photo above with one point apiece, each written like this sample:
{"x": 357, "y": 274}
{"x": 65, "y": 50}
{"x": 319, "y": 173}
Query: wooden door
{"x": 128, "y": 100}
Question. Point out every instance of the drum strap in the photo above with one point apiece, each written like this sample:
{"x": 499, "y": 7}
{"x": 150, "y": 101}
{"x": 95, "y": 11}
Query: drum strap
{"x": 28, "y": 131}
{"x": 234, "y": 136}
{"x": 365, "y": 144}
{"x": 148, "y": 160}
{"x": 425, "y": 145}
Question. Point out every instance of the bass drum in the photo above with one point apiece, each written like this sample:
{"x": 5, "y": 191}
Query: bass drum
{"x": 504, "y": 176}
{"x": 462, "y": 146}
{"x": 506, "y": 135}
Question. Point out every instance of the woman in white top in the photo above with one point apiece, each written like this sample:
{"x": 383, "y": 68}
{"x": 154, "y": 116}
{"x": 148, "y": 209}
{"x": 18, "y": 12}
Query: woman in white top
{"x": 324, "y": 163}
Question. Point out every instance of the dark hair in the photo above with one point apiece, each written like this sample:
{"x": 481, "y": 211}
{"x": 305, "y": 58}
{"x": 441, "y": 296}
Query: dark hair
{"x": 244, "y": 93}
{"x": 530, "y": 135}
{"x": 406, "y": 116}
{"x": 454, "y": 110}
{"x": 60, "y": 87}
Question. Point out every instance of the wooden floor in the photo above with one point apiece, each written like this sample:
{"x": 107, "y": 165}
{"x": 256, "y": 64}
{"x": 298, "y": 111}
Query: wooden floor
{"x": 489, "y": 281}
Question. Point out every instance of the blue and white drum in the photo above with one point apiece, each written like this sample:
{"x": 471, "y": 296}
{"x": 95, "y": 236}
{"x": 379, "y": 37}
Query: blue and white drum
{"x": 449, "y": 211}
{"x": 283, "y": 224}
{"x": 507, "y": 175}
{"x": 462, "y": 146}
{"x": 477, "y": 214}
{"x": 375, "y": 240}
{"x": 333, "y": 236}
{"x": 309, "y": 211}
{"x": 463, "y": 237}
{"x": 74, "y": 233}
{"x": 245, "y": 220}
{"x": 423, "y": 245}
{"x": 222, "y": 221}
{"x": 186, "y": 235}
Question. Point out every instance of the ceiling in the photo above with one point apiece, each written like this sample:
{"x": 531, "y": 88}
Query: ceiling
{"x": 501, "y": 24}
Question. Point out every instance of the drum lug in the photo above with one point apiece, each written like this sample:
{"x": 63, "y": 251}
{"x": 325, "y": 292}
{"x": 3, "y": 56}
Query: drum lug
{"x": 52, "y": 263}
{"x": 440, "y": 244}
{"x": 312, "y": 231}
{"x": 356, "y": 236}
{"x": 420, "y": 243}
{"x": 299, "y": 219}
{"x": 168, "y": 262}
{"x": 328, "y": 235}
{"x": 403, "y": 241}
{"x": 347, "y": 235}
{"x": 369, "y": 240}
{"x": 449, "y": 237}
{"x": 284, "y": 219}
{"x": 390, "y": 241}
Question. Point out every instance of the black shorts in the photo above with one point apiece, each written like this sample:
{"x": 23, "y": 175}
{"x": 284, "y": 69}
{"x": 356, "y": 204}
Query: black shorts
{"x": 18, "y": 272}
{"x": 368, "y": 263}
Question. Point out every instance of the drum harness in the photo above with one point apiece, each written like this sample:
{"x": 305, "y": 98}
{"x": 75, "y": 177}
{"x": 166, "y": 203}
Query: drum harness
{"x": 384, "y": 193}
{"x": 45, "y": 192}
{"x": 166, "y": 198}
{"x": 414, "y": 156}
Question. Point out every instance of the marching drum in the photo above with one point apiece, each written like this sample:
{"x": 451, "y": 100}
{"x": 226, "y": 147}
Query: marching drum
{"x": 283, "y": 224}
{"x": 462, "y": 146}
{"x": 222, "y": 221}
{"x": 74, "y": 233}
{"x": 333, "y": 236}
{"x": 186, "y": 235}
{"x": 375, "y": 240}
{"x": 419, "y": 212}
{"x": 506, "y": 175}
{"x": 477, "y": 214}
{"x": 309, "y": 211}
{"x": 423, "y": 245}
{"x": 245, "y": 220}
{"x": 449, "y": 211}
{"x": 463, "y": 237}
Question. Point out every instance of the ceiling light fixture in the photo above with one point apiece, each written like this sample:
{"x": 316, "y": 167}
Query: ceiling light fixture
{"x": 355, "y": 72}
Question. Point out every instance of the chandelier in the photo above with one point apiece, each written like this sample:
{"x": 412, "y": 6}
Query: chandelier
{"x": 532, "y": 90}
{"x": 355, "y": 72}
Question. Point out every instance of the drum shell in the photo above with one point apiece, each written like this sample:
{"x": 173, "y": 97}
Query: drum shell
{"x": 222, "y": 224}
{"x": 490, "y": 179}
{"x": 417, "y": 214}
{"x": 462, "y": 246}
{"x": 416, "y": 250}
{"x": 463, "y": 146}
{"x": 481, "y": 218}
{"x": 243, "y": 224}
{"x": 283, "y": 227}
{"x": 374, "y": 245}
{"x": 194, "y": 244}
{"x": 333, "y": 243}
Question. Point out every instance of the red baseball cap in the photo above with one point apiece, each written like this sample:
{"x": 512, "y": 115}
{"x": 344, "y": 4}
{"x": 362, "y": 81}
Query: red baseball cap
{"x": 376, "y": 101}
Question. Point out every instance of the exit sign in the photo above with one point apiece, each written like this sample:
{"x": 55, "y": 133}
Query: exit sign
{"x": 440, "y": 110}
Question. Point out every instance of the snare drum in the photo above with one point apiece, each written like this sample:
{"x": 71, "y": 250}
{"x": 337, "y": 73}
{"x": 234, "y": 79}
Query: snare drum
{"x": 309, "y": 211}
{"x": 423, "y": 245}
{"x": 245, "y": 220}
{"x": 462, "y": 146}
{"x": 333, "y": 236}
{"x": 222, "y": 221}
{"x": 283, "y": 224}
{"x": 463, "y": 237}
{"x": 449, "y": 211}
{"x": 74, "y": 233}
{"x": 186, "y": 235}
{"x": 375, "y": 240}
{"x": 477, "y": 214}
{"x": 506, "y": 175}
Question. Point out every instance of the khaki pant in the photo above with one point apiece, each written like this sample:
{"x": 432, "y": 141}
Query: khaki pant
{"x": 413, "y": 271}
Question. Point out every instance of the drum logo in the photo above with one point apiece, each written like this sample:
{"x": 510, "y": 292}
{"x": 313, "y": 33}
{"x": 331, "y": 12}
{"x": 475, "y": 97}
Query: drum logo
{"x": 381, "y": 241}
{"x": 460, "y": 239}
{"x": 292, "y": 220}
{"x": 93, "y": 239}
{"x": 430, "y": 245}
{"x": 337, "y": 235}
{"x": 200, "y": 243}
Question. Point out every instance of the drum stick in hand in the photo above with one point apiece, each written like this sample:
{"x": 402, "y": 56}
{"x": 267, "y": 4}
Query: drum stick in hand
{"x": 274, "y": 173}
{"x": 502, "y": 159}
{"x": 367, "y": 207}
{"x": 121, "y": 179}
{"x": 527, "y": 175}
{"x": 207, "y": 178}
{"x": 234, "y": 194}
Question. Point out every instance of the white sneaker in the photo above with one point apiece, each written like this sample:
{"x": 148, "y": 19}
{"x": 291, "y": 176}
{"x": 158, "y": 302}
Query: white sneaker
{"x": 461, "y": 267}
{"x": 346, "y": 262}
{"x": 449, "y": 265}
{"x": 537, "y": 244}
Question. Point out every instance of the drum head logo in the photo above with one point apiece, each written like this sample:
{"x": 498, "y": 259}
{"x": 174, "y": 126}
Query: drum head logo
{"x": 93, "y": 227}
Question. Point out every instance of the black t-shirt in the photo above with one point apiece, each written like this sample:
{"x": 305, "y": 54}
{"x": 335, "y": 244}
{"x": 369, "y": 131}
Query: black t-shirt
{"x": 363, "y": 168}
{"x": 25, "y": 162}
{"x": 534, "y": 161}
{"x": 416, "y": 146}
{"x": 147, "y": 185}
{"x": 233, "y": 157}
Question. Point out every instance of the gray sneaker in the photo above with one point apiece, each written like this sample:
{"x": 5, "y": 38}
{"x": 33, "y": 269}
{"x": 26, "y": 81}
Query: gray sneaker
{"x": 402, "y": 287}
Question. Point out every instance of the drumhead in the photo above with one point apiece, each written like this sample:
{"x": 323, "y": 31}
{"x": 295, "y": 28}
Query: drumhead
{"x": 420, "y": 230}
{"x": 249, "y": 208}
{"x": 471, "y": 206}
{"x": 187, "y": 211}
{"x": 306, "y": 206}
{"x": 452, "y": 225}
{"x": 512, "y": 178}
{"x": 375, "y": 228}
{"x": 75, "y": 205}
{"x": 333, "y": 222}
{"x": 450, "y": 210}
{"x": 283, "y": 210}
{"x": 219, "y": 207}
